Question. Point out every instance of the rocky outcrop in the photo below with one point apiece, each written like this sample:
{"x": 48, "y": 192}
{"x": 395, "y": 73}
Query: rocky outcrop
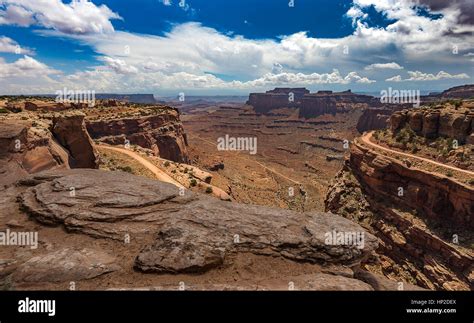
{"x": 70, "y": 131}
{"x": 347, "y": 97}
{"x": 457, "y": 92}
{"x": 423, "y": 220}
{"x": 313, "y": 106}
{"x": 162, "y": 132}
{"x": 379, "y": 282}
{"x": 191, "y": 233}
{"x": 310, "y": 104}
{"x": 436, "y": 196}
{"x": 307, "y": 282}
{"x": 375, "y": 118}
{"x": 30, "y": 147}
{"x": 46, "y": 106}
{"x": 461, "y": 92}
{"x": 132, "y": 98}
{"x": 27, "y": 149}
{"x": 276, "y": 99}
{"x": 436, "y": 122}
{"x": 65, "y": 265}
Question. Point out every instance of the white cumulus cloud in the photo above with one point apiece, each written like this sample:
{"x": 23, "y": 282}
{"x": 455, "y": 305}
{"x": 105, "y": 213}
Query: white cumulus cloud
{"x": 391, "y": 66}
{"x": 26, "y": 66}
{"x": 76, "y": 17}
{"x": 8, "y": 45}
{"x": 396, "y": 78}
{"x": 421, "y": 76}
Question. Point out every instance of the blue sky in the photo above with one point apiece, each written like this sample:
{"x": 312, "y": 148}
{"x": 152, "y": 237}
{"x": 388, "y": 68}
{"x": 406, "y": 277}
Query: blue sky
{"x": 233, "y": 47}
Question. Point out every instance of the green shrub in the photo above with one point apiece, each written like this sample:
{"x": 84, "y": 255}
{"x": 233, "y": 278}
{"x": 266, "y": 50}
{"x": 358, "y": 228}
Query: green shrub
{"x": 193, "y": 182}
{"x": 126, "y": 169}
{"x": 208, "y": 190}
{"x": 405, "y": 136}
{"x": 167, "y": 163}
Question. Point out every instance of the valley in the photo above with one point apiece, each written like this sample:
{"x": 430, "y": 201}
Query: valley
{"x": 155, "y": 189}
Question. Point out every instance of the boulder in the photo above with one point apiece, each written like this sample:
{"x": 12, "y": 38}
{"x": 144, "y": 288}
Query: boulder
{"x": 191, "y": 233}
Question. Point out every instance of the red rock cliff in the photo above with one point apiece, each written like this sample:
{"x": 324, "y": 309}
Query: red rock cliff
{"x": 161, "y": 132}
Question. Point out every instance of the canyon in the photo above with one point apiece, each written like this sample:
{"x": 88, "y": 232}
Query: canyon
{"x": 159, "y": 206}
{"x": 422, "y": 210}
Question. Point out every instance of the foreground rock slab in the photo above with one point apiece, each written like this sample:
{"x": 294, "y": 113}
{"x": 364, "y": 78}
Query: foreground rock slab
{"x": 65, "y": 265}
{"x": 189, "y": 233}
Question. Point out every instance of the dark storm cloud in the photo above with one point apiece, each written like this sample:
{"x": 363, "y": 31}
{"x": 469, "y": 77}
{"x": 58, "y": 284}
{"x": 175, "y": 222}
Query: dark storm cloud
{"x": 465, "y": 6}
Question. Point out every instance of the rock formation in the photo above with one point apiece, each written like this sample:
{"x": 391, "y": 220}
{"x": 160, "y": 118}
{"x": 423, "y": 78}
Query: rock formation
{"x": 373, "y": 119}
{"x": 65, "y": 265}
{"x": 457, "y": 92}
{"x": 310, "y": 104}
{"x": 160, "y": 131}
{"x": 70, "y": 131}
{"x": 415, "y": 228}
{"x": 31, "y": 146}
{"x": 313, "y": 106}
{"x": 436, "y": 122}
{"x": 275, "y": 99}
{"x": 132, "y": 98}
{"x": 47, "y": 106}
{"x": 173, "y": 233}
{"x": 26, "y": 149}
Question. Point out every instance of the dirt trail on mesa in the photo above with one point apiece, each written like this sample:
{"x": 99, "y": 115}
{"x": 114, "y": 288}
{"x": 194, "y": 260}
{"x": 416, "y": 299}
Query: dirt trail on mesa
{"x": 254, "y": 161}
{"x": 366, "y": 139}
{"x": 160, "y": 175}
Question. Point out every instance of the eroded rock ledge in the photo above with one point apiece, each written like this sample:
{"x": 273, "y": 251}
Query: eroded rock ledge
{"x": 417, "y": 229}
{"x": 190, "y": 233}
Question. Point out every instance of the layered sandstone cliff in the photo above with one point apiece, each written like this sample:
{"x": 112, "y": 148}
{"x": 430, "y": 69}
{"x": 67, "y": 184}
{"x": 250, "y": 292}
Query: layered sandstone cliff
{"x": 310, "y": 104}
{"x": 437, "y": 122}
{"x": 424, "y": 220}
{"x": 32, "y": 146}
{"x": 276, "y": 98}
{"x": 70, "y": 131}
{"x": 157, "y": 129}
{"x": 373, "y": 119}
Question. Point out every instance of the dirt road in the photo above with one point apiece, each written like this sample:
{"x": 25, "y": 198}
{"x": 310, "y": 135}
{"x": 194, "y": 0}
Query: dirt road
{"x": 366, "y": 140}
{"x": 160, "y": 175}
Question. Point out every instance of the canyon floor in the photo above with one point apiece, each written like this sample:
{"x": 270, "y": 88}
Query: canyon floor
{"x": 295, "y": 159}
